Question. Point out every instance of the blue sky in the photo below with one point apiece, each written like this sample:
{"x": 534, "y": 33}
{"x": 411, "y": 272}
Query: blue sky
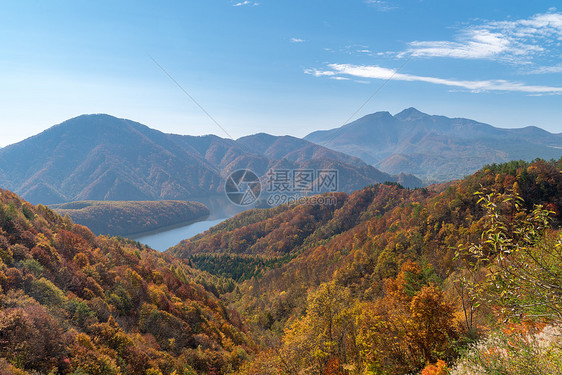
{"x": 282, "y": 67}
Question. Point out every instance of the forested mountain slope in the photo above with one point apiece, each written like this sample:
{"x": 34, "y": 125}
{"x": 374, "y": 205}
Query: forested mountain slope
{"x": 367, "y": 263}
{"x": 74, "y": 303}
{"x": 130, "y": 217}
{"x": 374, "y": 282}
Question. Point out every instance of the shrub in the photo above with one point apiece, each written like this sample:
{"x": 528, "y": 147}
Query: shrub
{"x": 46, "y": 293}
{"x": 514, "y": 352}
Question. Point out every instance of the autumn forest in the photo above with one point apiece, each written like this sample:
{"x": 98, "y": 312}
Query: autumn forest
{"x": 458, "y": 278}
{"x": 305, "y": 187}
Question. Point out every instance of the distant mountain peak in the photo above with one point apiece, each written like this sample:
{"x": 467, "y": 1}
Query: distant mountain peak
{"x": 98, "y": 124}
{"x": 434, "y": 147}
{"x": 410, "y": 114}
{"x": 94, "y": 119}
{"x": 372, "y": 118}
{"x": 94, "y": 116}
{"x": 380, "y": 114}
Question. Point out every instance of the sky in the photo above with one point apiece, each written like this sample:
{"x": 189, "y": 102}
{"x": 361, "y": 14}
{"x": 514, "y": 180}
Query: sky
{"x": 239, "y": 67}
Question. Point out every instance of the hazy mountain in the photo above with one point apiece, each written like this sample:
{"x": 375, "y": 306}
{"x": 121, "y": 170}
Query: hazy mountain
{"x": 100, "y": 157}
{"x": 436, "y": 148}
{"x": 294, "y": 149}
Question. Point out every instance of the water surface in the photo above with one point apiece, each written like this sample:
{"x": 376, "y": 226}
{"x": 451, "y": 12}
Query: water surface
{"x": 220, "y": 209}
{"x": 166, "y": 238}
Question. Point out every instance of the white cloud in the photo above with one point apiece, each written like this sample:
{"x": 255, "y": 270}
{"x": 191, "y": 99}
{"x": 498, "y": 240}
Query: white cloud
{"x": 479, "y": 44}
{"x": 377, "y": 72}
{"x": 547, "y": 69}
{"x": 297, "y": 40}
{"x": 381, "y": 5}
{"x": 320, "y": 73}
{"x": 246, "y": 2}
{"x": 517, "y": 41}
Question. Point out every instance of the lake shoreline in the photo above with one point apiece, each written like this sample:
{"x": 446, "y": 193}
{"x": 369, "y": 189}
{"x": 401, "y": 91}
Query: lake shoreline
{"x": 165, "y": 239}
{"x": 166, "y": 228}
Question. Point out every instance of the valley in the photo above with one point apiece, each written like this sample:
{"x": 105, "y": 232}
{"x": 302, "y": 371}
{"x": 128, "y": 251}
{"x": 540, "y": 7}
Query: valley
{"x": 222, "y": 287}
{"x": 269, "y": 289}
{"x": 246, "y": 187}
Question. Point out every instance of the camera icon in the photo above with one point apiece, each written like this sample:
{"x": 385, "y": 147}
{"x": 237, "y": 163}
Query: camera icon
{"x": 242, "y": 187}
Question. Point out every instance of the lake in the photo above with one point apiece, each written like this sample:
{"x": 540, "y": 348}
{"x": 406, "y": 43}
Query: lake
{"x": 166, "y": 238}
{"x": 220, "y": 209}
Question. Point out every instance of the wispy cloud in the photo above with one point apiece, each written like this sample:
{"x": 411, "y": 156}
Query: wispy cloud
{"x": 514, "y": 41}
{"x": 356, "y": 49}
{"x": 297, "y": 40}
{"x": 547, "y": 69}
{"x": 381, "y": 5}
{"x": 377, "y": 72}
{"x": 247, "y": 3}
{"x": 321, "y": 73}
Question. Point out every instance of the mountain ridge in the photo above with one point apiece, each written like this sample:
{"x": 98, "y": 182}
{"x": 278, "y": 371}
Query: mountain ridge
{"x": 101, "y": 157}
{"x": 300, "y": 263}
{"x": 435, "y": 148}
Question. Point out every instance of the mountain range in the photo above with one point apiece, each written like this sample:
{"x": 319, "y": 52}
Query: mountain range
{"x": 377, "y": 280}
{"x": 435, "y": 148}
{"x": 388, "y": 262}
{"x": 100, "y": 157}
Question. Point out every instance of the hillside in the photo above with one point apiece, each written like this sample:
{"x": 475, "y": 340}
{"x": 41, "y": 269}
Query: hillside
{"x": 74, "y": 303}
{"x": 287, "y": 232}
{"x": 100, "y": 157}
{"x": 436, "y": 148}
{"x": 324, "y": 286}
{"x": 130, "y": 217}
